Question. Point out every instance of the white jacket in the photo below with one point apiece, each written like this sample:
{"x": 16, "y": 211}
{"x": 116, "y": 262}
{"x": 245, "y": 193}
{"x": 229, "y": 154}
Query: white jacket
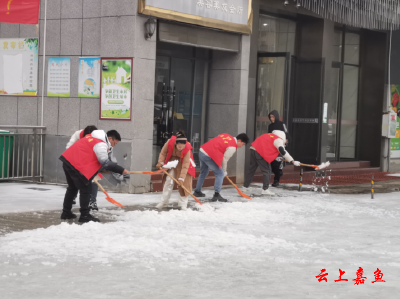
{"x": 102, "y": 149}
{"x": 74, "y": 138}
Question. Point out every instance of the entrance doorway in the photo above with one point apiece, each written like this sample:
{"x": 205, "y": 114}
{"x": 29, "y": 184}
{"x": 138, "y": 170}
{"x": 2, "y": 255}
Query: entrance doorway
{"x": 272, "y": 92}
{"x": 180, "y": 97}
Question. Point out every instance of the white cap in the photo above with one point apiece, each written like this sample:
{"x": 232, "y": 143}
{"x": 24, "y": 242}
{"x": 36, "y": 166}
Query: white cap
{"x": 280, "y": 134}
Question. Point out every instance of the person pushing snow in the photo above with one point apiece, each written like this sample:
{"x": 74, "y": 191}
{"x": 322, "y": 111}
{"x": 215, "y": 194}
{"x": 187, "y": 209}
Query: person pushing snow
{"x": 263, "y": 151}
{"x": 215, "y": 155}
{"x": 177, "y": 148}
{"x": 81, "y": 163}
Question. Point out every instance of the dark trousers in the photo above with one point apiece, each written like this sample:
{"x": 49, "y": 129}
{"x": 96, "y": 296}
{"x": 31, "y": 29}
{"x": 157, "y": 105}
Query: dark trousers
{"x": 257, "y": 161}
{"x": 276, "y": 167}
{"x": 75, "y": 184}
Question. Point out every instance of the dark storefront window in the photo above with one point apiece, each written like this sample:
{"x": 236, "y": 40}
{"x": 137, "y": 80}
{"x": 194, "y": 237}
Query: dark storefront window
{"x": 342, "y": 110}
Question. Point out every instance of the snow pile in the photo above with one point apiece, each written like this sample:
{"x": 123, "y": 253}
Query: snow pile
{"x": 171, "y": 164}
{"x": 323, "y": 165}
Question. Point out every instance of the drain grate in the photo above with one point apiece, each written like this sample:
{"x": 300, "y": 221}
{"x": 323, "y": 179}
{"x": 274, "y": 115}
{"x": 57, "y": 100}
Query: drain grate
{"x": 39, "y": 189}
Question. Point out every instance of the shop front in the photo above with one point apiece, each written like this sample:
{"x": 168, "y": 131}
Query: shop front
{"x": 318, "y": 74}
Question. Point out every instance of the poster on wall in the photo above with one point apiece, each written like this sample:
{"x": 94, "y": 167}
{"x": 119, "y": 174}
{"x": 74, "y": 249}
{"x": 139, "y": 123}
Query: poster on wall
{"x": 58, "y": 77}
{"x": 395, "y": 105}
{"x": 89, "y": 77}
{"x": 19, "y": 62}
{"x": 116, "y": 88}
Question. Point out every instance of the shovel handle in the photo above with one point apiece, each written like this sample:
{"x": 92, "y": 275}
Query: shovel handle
{"x": 183, "y": 187}
{"x": 309, "y": 165}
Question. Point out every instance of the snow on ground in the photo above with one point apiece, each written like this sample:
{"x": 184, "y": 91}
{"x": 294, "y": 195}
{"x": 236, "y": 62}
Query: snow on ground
{"x": 17, "y": 198}
{"x": 269, "y": 247}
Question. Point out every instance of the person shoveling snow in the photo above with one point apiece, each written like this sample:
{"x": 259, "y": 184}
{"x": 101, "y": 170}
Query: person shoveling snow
{"x": 176, "y": 155}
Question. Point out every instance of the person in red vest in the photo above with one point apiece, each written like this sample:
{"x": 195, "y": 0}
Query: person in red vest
{"x": 81, "y": 163}
{"x": 263, "y": 151}
{"x": 215, "y": 155}
{"x": 177, "y": 148}
{"x": 74, "y": 138}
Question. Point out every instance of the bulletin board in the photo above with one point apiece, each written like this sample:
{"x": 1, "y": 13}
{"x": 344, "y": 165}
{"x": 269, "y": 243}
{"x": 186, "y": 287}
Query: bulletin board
{"x": 19, "y": 66}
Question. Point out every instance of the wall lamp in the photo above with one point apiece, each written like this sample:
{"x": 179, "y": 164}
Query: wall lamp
{"x": 150, "y": 26}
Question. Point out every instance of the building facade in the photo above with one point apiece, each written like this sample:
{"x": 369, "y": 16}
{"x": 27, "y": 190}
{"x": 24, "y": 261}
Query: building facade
{"x": 208, "y": 70}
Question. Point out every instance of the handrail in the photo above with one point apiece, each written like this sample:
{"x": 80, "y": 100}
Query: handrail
{"x": 23, "y": 127}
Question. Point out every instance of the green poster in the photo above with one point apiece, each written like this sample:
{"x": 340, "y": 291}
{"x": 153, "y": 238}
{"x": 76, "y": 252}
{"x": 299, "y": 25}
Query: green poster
{"x": 395, "y": 105}
{"x": 116, "y": 88}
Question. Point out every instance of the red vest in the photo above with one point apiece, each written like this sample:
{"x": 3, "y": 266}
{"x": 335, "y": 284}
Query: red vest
{"x": 217, "y": 146}
{"x": 81, "y": 134}
{"x": 82, "y": 157}
{"x": 264, "y": 145}
{"x": 188, "y": 147}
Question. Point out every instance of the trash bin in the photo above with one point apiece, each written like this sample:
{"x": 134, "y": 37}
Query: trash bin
{"x": 6, "y": 149}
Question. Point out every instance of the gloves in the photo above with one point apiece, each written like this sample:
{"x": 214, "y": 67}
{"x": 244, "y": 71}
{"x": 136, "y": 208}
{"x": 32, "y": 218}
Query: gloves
{"x": 279, "y": 159}
{"x": 296, "y": 163}
{"x": 159, "y": 165}
{"x": 127, "y": 176}
{"x": 225, "y": 173}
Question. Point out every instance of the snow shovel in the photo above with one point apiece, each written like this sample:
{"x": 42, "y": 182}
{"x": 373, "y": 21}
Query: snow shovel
{"x": 108, "y": 196}
{"x": 319, "y": 167}
{"x": 146, "y": 172}
{"x": 239, "y": 191}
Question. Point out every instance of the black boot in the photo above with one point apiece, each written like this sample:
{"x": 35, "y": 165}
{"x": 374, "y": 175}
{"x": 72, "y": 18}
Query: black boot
{"x": 275, "y": 184}
{"x": 198, "y": 194}
{"x": 87, "y": 218}
{"x": 218, "y": 197}
{"x": 67, "y": 215}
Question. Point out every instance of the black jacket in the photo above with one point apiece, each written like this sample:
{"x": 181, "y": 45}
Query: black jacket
{"x": 277, "y": 125}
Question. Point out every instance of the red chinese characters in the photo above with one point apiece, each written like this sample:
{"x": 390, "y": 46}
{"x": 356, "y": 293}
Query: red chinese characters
{"x": 360, "y": 278}
{"x": 378, "y": 276}
{"x": 321, "y": 276}
{"x": 340, "y": 276}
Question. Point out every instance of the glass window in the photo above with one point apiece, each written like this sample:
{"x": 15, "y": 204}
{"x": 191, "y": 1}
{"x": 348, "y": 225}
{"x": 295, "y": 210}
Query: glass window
{"x": 276, "y": 35}
{"x": 337, "y": 45}
{"x": 270, "y": 91}
{"x": 348, "y": 128}
{"x": 352, "y": 48}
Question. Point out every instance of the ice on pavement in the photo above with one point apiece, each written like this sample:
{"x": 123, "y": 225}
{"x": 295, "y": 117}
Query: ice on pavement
{"x": 268, "y": 247}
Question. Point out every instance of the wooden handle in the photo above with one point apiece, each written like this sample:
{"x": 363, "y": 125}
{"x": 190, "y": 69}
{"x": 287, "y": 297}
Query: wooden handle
{"x": 183, "y": 187}
{"x": 231, "y": 181}
{"x": 100, "y": 186}
{"x": 135, "y": 172}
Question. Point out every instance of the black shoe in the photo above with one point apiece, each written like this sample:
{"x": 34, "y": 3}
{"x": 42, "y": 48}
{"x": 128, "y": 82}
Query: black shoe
{"x": 87, "y": 218}
{"x": 93, "y": 205}
{"x": 198, "y": 194}
{"x": 275, "y": 184}
{"x": 67, "y": 215}
{"x": 218, "y": 197}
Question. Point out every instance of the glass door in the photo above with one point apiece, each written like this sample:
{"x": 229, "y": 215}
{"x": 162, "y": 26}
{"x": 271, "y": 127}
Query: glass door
{"x": 271, "y": 89}
{"x": 179, "y": 101}
{"x": 343, "y": 109}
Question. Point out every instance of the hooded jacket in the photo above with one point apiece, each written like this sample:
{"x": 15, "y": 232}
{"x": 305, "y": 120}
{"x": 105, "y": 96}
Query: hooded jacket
{"x": 277, "y": 125}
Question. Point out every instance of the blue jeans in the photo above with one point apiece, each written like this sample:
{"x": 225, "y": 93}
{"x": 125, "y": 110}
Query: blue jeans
{"x": 95, "y": 188}
{"x": 206, "y": 163}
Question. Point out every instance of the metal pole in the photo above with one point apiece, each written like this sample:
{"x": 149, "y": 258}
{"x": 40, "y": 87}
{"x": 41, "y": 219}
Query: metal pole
{"x": 43, "y": 71}
{"x": 301, "y": 180}
{"x": 372, "y": 187}
{"x": 4, "y": 156}
{"x": 389, "y": 95}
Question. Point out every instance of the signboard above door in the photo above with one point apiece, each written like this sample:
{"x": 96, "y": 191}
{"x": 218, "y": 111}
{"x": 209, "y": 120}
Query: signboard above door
{"x": 229, "y": 15}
